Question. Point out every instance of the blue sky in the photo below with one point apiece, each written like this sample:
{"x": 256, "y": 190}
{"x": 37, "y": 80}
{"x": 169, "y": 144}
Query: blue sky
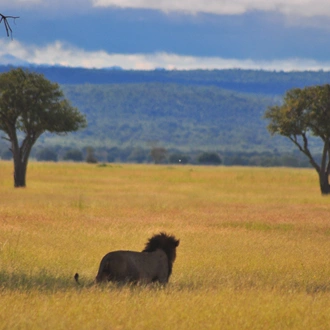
{"x": 187, "y": 34}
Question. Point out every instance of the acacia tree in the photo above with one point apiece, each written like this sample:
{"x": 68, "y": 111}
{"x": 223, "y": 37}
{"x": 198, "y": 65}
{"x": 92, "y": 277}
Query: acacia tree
{"x": 29, "y": 106}
{"x": 305, "y": 113}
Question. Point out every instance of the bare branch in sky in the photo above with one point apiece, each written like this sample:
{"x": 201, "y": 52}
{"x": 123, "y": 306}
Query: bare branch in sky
{"x": 4, "y": 18}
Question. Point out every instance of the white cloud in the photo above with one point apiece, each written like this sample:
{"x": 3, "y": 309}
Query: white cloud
{"x": 58, "y": 53}
{"x": 307, "y": 8}
{"x": 292, "y": 8}
{"x": 298, "y": 12}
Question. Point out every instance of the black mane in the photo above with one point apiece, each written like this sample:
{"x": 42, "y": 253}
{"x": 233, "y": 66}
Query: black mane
{"x": 165, "y": 242}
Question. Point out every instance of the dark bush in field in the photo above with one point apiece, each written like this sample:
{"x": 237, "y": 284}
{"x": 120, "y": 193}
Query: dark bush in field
{"x": 73, "y": 154}
{"x": 47, "y": 154}
{"x": 209, "y": 158}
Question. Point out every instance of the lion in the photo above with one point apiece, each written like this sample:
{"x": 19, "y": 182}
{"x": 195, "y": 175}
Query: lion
{"x": 153, "y": 264}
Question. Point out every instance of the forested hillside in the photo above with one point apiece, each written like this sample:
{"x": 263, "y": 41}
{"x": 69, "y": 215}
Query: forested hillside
{"x": 189, "y": 111}
{"x": 171, "y": 115}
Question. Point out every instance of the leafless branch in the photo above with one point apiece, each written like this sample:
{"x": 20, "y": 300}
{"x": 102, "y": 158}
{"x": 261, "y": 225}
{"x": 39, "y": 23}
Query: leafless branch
{"x": 305, "y": 150}
{"x": 4, "y": 18}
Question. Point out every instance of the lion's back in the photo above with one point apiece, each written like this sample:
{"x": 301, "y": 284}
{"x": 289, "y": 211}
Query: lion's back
{"x": 134, "y": 266}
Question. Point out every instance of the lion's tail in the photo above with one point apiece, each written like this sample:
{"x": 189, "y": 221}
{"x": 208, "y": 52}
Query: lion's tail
{"x": 76, "y": 277}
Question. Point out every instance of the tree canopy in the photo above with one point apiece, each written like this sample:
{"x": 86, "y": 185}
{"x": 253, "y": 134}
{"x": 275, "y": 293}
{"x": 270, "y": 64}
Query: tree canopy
{"x": 29, "y": 106}
{"x": 305, "y": 113}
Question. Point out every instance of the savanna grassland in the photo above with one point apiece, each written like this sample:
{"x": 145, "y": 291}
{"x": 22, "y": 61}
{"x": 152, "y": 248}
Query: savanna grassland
{"x": 254, "y": 247}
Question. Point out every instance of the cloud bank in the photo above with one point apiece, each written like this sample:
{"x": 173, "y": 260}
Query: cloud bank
{"x": 307, "y": 8}
{"x": 59, "y": 53}
{"x": 304, "y": 8}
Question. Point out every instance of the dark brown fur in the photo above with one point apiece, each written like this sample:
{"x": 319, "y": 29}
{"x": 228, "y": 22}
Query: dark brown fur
{"x": 153, "y": 264}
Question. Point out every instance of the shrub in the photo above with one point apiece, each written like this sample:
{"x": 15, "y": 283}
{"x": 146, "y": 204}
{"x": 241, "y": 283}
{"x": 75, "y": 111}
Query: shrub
{"x": 209, "y": 158}
{"x": 158, "y": 154}
{"x": 138, "y": 155}
{"x": 73, "y": 154}
{"x": 90, "y": 157}
{"x": 47, "y": 154}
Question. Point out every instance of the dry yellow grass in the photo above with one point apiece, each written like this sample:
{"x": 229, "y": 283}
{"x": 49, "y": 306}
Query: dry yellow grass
{"x": 254, "y": 251}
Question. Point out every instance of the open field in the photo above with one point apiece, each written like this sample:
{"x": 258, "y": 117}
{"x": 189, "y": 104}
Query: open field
{"x": 254, "y": 247}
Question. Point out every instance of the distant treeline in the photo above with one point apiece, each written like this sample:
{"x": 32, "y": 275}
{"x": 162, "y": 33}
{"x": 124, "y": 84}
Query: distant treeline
{"x": 161, "y": 155}
{"x": 247, "y": 81}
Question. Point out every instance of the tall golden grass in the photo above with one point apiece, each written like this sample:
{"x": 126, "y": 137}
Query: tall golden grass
{"x": 254, "y": 247}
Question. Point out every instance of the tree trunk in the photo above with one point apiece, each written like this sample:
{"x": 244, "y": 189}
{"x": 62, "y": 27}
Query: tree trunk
{"x": 21, "y": 157}
{"x": 324, "y": 183}
{"x": 19, "y": 173}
